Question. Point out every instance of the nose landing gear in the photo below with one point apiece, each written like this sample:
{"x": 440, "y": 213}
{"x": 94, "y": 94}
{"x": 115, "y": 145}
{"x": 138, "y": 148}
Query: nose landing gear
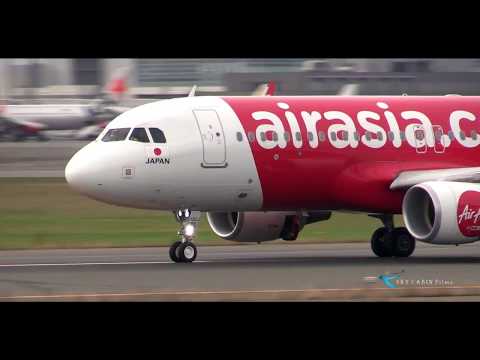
{"x": 184, "y": 250}
{"x": 389, "y": 241}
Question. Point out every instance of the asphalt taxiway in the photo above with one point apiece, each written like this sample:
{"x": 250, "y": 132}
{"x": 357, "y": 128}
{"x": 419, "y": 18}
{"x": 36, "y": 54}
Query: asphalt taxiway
{"x": 229, "y": 272}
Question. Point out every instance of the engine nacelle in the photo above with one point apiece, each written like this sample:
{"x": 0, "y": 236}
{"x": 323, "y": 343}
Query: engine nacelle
{"x": 441, "y": 212}
{"x": 256, "y": 226}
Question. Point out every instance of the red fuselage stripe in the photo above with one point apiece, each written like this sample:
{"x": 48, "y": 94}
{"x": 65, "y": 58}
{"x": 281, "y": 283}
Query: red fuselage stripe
{"x": 348, "y": 150}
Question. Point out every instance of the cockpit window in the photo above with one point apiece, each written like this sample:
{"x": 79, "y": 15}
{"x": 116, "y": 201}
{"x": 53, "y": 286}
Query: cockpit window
{"x": 116, "y": 134}
{"x": 140, "y": 135}
{"x": 157, "y": 136}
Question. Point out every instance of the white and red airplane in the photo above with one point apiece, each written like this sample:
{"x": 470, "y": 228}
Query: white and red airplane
{"x": 263, "y": 167}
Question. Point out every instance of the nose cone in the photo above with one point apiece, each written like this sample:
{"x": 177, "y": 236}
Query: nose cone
{"x": 78, "y": 171}
{"x": 72, "y": 173}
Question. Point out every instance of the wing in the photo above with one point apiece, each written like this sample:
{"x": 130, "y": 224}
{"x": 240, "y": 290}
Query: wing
{"x": 407, "y": 179}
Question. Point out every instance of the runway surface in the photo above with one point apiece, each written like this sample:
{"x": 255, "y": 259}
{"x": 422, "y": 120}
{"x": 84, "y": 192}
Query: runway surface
{"x": 63, "y": 273}
{"x": 37, "y": 159}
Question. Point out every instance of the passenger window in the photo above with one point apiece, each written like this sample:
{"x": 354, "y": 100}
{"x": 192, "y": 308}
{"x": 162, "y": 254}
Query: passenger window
{"x": 462, "y": 135}
{"x": 251, "y": 137}
{"x": 321, "y": 136}
{"x": 379, "y": 136}
{"x": 474, "y": 135}
{"x": 298, "y": 136}
{"x": 157, "y": 136}
{"x": 450, "y": 135}
{"x": 390, "y": 136}
{"x": 368, "y": 136}
{"x": 140, "y": 135}
{"x": 239, "y": 136}
{"x": 310, "y": 136}
{"x": 355, "y": 136}
{"x": 116, "y": 134}
{"x": 262, "y": 136}
{"x": 286, "y": 136}
{"x": 274, "y": 136}
{"x": 333, "y": 136}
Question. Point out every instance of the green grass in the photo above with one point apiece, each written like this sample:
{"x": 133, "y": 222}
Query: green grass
{"x": 45, "y": 213}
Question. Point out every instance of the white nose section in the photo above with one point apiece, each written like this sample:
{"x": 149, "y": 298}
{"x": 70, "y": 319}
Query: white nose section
{"x": 73, "y": 173}
{"x": 78, "y": 173}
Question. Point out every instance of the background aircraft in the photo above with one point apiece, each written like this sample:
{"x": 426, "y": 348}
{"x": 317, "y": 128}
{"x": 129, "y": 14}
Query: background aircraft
{"x": 81, "y": 121}
{"x": 21, "y": 121}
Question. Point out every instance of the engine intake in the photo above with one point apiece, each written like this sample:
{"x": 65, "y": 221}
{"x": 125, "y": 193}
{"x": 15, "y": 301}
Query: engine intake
{"x": 442, "y": 212}
{"x": 256, "y": 226}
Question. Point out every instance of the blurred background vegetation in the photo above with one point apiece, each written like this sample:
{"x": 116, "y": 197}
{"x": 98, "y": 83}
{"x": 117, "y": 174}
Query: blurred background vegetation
{"x": 45, "y": 213}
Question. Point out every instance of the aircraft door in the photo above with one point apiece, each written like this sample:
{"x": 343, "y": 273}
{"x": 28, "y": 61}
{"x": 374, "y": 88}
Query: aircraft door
{"x": 439, "y": 142}
{"x": 213, "y": 138}
{"x": 420, "y": 139}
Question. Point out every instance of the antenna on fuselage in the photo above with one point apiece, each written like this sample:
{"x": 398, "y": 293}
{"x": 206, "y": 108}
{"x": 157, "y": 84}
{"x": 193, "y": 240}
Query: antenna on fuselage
{"x": 192, "y": 92}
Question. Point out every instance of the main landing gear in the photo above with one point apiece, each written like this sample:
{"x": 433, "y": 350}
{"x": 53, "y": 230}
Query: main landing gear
{"x": 389, "y": 241}
{"x": 184, "y": 250}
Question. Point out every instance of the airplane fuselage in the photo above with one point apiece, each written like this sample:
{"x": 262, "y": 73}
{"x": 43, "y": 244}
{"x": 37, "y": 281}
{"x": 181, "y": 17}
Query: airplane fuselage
{"x": 278, "y": 152}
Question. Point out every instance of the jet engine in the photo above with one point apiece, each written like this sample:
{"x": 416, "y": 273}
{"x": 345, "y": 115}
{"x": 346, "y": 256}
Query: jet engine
{"x": 261, "y": 226}
{"x": 441, "y": 212}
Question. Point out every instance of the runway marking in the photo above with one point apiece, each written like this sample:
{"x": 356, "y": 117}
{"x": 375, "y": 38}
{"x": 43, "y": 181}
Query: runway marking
{"x": 217, "y": 261}
{"x": 95, "y": 263}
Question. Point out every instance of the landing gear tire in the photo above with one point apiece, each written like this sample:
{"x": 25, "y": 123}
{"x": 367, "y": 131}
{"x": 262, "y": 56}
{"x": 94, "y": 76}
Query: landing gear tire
{"x": 184, "y": 252}
{"x": 404, "y": 243}
{"x": 174, "y": 251}
{"x": 187, "y": 252}
{"x": 382, "y": 242}
{"x": 397, "y": 243}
